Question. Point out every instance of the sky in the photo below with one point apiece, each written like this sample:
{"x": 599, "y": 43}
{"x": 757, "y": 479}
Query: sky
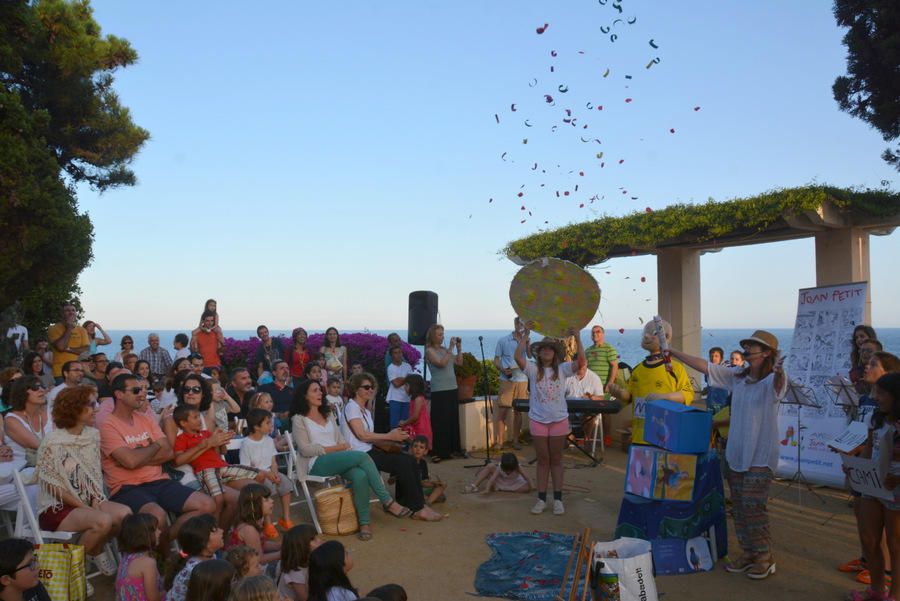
{"x": 313, "y": 163}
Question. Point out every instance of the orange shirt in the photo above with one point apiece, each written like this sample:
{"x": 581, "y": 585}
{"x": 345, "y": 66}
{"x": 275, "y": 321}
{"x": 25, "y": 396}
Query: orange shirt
{"x": 116, "y": 433}
{"x": 208, "y": 345}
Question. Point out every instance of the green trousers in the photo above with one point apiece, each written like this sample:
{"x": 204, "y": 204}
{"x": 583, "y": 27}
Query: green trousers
{"x": 357, "y": 468}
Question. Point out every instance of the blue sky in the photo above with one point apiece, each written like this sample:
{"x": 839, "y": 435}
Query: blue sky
{"x": 313, "y": 163}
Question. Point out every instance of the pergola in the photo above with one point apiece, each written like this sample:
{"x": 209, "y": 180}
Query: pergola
{"x": 840, "y": 220}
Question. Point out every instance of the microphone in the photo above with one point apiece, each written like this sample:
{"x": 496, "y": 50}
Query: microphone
{"x": 480, "y": 338}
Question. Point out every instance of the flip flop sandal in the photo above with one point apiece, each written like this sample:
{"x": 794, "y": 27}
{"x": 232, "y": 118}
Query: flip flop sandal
{"x": 363, "y": 535}
{"x": 403, "y": 513}
{"x": 867, "y": 595}
{"x": 739, "y": 566}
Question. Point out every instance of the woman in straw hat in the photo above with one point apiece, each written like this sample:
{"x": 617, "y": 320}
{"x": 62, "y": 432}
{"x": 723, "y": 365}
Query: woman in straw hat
{"x": 547, "y": 409}
{"x": 752, "y": 451}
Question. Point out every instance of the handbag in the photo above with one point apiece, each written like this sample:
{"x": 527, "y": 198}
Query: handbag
{"x": 337, "y": 515}
{"x": 387, "y": 446}
{"x": 61, "y": 571}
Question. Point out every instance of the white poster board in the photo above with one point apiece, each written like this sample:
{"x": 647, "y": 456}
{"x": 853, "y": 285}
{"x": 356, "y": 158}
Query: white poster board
{"x": 866, "y": 476}
{"x": 820, "y": 349}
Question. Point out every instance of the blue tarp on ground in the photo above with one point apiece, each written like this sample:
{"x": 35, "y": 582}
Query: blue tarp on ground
{"x": 524, "y": 565}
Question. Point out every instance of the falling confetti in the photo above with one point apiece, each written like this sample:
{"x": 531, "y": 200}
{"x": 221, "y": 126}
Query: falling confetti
{"x": 541, "y": 30}
{"x": 621, "y": 161}
{"x": 524, "y": 140}
{"x": 521, "y": 194}
{"x": 503, "y": 156}
{"x": 628, "y": 100}
{"x": 527, "y": 124}
{"x": 548, "y": 98}
{"x": 532, "y": 83}
{"x": 696, "y": 108}
{"x": 653, "y": 45}
{"x": 648, "y": 210}
{"x": 606, "y": 73}
{"x": 621, "y": 330}
{"x": 672, "y": 130}
{"x": 655, "y": 61}
{"x": 563, "y": 89}
{"x": 512, "y": 107}
{"x": 553, "y": 53}
{"x": 497, "y": 117}
{"x": 643, "y": 279}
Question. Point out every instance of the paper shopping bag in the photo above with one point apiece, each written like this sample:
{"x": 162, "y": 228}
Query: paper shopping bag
{"x": 61, "y": 571}
{"x": 623, "y": 571}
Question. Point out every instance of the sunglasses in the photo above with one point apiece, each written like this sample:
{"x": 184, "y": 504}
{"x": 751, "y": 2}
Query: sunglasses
{"x": 191, "y": 389}
{"x": 33, "y": 564}
{"x": 36, "y": 386}
{"x": 133, "y": 390}
{"x": 367, "y": 387}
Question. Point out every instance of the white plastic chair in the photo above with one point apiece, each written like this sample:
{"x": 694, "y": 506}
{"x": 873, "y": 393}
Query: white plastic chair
{"x": 27, "y": 526}
{"x": 304, "y": 479}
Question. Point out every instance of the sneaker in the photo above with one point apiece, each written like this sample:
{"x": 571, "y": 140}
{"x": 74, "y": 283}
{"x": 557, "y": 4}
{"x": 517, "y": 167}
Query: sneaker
{"x": 558, "y": 507}
{"x": 89, "y": 588}
{"x": 865, "y": 577}
{"x": 853, "y": 566}
{"x": 539, "y": 507}
{"x": 105, "y": 564}
{"x": 285, "y": 524}
{"x": 270, "y": 532}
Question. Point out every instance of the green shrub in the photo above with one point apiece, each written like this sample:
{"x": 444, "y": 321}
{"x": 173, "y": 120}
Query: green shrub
{"x": 470, "y": 366}
{"x": 493, "y": 378}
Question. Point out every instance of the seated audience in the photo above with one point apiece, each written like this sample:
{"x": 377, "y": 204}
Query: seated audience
{"x": 72, "y": 496}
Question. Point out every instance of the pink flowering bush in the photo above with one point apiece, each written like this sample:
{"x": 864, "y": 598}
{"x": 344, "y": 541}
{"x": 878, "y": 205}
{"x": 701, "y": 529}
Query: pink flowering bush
{"x": 362, "y": 347}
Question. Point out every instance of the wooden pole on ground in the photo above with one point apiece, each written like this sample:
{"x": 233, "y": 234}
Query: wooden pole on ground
{"x": 565, "y": 579}
{"x": 576, "y": 578}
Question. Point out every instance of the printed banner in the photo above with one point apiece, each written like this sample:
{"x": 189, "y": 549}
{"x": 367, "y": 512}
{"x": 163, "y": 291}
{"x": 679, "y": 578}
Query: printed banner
{"x": 820, "y": 350}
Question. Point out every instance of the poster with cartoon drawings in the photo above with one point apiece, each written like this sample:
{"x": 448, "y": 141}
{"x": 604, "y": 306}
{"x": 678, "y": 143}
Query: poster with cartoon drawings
{"x": 820, "y": 349}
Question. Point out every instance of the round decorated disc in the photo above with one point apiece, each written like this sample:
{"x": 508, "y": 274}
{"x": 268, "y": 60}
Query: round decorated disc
{"x": 556, "y": 295}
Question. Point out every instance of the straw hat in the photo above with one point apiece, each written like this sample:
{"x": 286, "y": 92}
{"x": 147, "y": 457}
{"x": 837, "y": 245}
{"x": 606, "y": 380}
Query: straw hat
{"x": 555, "y": 343}
{"x": 767, "y": 339}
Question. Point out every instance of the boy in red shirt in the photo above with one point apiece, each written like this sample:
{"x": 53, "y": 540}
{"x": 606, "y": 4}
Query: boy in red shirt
{"x": 200, "y": 448}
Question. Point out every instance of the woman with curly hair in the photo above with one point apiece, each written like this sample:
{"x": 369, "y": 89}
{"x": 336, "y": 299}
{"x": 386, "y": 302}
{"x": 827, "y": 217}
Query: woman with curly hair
{"x": 71, "y": 496}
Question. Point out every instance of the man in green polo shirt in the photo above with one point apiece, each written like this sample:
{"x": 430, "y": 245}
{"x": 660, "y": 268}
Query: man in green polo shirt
{"x": 603, "y": 360}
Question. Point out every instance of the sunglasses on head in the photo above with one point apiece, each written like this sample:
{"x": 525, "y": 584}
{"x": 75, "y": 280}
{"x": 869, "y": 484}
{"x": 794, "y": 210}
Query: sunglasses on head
{"x": 192, "y": 389}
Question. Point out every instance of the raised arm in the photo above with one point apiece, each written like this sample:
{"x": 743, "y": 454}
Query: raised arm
{"x": 105, "y": 339}
{"x": 581, "y": 360}
{"x": 438, "y": 357}
{"x": 697, "y": 363}
{"x": 520, "y": 352}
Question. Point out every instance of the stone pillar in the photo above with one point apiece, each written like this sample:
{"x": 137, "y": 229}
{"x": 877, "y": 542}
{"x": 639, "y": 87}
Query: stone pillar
{"x": 842, "y": 256}
{"x": 678, "y": 282}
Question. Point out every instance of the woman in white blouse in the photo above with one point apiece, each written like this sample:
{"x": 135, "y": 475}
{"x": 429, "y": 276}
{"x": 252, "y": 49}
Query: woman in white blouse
{"x": 358, "y": 429}
{"x": 752, "y": 450}
{"x": 325, "y": 452}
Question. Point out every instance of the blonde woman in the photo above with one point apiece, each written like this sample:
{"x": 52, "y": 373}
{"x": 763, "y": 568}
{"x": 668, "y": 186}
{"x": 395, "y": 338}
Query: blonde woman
{"x": 444, "y": 401}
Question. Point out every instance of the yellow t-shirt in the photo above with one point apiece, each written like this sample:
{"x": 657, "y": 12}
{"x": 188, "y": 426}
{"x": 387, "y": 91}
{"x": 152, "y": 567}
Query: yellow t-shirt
{"x": 78, "y": 338}
{"x": 647, "y": 379}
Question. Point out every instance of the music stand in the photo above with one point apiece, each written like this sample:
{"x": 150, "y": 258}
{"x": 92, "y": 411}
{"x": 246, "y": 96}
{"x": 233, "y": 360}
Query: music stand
{"x": 800, "y": 396}
{"x": 843, "y": 393}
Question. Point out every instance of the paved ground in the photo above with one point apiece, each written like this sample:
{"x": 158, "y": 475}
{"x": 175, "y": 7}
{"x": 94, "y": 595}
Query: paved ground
{"x": 437, "y": 561}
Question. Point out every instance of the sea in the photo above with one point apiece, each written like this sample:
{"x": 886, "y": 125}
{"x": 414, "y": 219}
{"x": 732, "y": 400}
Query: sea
{"x": 628, "y": 343}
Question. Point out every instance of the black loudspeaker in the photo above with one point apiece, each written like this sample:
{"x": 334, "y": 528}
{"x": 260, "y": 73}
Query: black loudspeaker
{"x": 423, "y": 310}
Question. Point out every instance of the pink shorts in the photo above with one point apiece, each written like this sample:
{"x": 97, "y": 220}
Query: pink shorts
{"x": 560, "y": 428}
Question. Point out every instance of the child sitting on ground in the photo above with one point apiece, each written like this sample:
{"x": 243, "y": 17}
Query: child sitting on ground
{"x": 200, "y": 448}
{"x": 258, "y": 452}
{"x": 254, "y": 506}
{"x": 506, "y": 476}
{"x": 199, "y": 538}
{"x": 432, "y": 486}
{"x": 419, "y": 421}
{"x": 210, "y": 581}
{"x": 298, "y": 543}
{"x": 245, "y": 561}
{"x": 137, "y": 578}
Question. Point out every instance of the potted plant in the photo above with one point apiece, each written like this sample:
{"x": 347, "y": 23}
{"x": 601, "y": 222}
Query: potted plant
{"x": 466, "y": 376}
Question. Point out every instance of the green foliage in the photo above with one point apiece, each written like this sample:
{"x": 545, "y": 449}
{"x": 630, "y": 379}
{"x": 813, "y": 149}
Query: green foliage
{"x": 60, "y": 124}
{"x": 871, "y": 89}
{"x": 470, "y": 366}
{"x": 493, "y": 378}
{"x": 592, "y": 242}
